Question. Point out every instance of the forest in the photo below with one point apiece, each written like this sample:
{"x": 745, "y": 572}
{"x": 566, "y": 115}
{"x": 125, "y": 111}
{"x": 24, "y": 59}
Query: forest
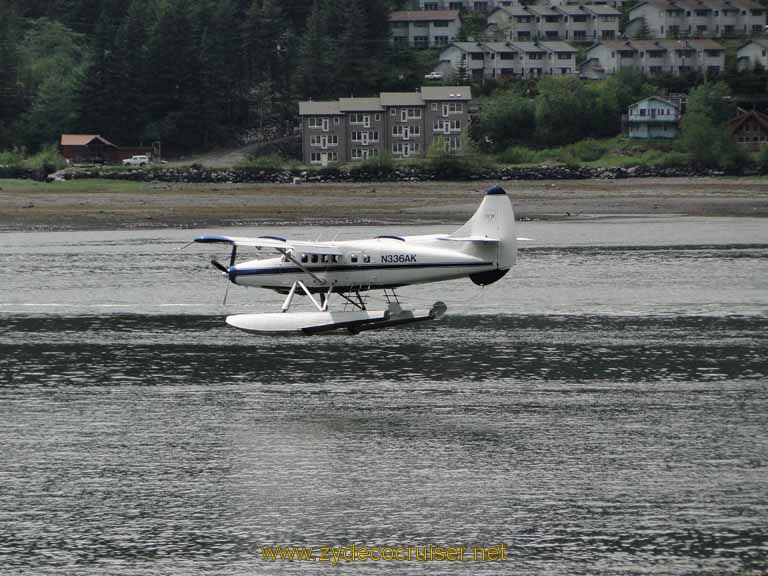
{"x": 191, "y": 73}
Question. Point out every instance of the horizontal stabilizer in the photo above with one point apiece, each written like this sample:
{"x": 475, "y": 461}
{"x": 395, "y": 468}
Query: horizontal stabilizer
{"x": 469, "y": 239}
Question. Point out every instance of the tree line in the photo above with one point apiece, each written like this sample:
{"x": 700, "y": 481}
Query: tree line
{"x": 190, "y": 73}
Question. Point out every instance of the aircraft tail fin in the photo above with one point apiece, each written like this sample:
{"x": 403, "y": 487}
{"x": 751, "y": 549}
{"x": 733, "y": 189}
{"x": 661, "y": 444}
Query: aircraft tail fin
{"x": 493, "y": 220}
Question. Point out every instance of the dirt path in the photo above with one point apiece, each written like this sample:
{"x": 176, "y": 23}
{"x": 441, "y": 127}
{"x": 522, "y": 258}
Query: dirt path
{"x": 196, "y": 205}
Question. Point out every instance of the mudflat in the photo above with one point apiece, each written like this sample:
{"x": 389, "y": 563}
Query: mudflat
{"x": 101, "y": 204}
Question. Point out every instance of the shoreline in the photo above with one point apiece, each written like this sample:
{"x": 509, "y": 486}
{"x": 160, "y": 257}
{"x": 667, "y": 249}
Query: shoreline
{"x": 93, "y": 205}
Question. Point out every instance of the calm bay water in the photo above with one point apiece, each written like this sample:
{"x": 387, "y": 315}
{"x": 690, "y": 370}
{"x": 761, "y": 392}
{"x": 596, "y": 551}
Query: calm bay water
{"x": 602, "y": 409}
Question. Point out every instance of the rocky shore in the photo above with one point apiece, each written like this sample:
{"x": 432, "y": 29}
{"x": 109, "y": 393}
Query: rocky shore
{"x": 200, "y": 174}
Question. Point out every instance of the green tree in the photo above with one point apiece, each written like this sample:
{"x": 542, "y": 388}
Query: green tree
{"x": 563, "y": 111}
{"x": 505, "y": 119}
{"x": 11, "y": 92}
{"x": 54, "y": 62}
{"x": 704, "y": 130}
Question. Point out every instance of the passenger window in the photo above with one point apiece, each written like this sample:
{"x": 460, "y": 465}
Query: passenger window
{"x": 366, "y": 259}
{"x": 354, "y": 258}
{"x": 314, "y": 258}
{"x": 324, "y": 258}
{"x": 304, "y": 258}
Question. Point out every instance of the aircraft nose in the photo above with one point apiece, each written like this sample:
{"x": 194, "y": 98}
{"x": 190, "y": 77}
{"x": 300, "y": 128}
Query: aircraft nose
{"x": 232, "y": 273}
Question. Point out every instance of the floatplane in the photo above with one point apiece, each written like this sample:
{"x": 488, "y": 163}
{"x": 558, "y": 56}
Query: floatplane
{"x": 483, "y": 249}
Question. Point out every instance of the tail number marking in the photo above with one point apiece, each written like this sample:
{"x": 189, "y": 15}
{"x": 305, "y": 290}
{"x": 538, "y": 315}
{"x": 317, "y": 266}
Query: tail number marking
{"x": 397, "y": 258}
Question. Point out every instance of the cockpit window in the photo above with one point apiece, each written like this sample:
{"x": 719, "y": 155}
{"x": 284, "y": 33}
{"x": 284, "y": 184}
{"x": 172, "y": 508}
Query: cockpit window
{"x": 366, "y": 258}
{"x": 354, "y": 258}
{"x": 314, "y": 258}
{"x": 304, "y": 258}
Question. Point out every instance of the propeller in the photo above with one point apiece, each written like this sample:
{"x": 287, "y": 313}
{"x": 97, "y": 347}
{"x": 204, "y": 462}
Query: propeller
{"x": 232, "y": 257}
{"x": 219, "y": 265}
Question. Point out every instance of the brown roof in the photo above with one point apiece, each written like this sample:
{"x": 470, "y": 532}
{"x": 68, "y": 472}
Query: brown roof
{"x": 422, "y": 15}
{"x": 83, "y": 140}
{"x": 734, "y": 124}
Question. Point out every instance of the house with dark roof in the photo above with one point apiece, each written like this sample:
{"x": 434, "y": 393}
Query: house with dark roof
{"x": 750, "y": 129}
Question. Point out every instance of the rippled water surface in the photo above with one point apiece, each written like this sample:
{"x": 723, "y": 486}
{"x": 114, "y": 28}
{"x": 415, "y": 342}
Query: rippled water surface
{"x": 602, "y": 409}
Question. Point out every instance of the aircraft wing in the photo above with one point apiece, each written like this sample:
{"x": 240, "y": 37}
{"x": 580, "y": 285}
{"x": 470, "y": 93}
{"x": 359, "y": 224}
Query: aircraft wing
{"x": 274, "y": 243}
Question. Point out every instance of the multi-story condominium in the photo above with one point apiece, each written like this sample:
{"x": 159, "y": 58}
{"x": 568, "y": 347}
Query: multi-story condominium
{"x": 753, "y": 52}
{"x": 424, "y": 28}
{"x": 516, "y": 23}
{"x": 478, "y": 60}
{"x": 697, "y": 18}
{"x": 654, "y": 57}
{"x": 469, "y": 5}
{"x": 324, "y": 132}
{"x": 402, "y": 124}
{"x": 364, "y": 127}
{"x": 576, "y": 22}
{"x": 617, "y": 4}
{"x": 653, "y": 117}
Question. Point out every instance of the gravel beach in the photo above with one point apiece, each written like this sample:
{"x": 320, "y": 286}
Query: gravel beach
{"x": 64, "y": 206}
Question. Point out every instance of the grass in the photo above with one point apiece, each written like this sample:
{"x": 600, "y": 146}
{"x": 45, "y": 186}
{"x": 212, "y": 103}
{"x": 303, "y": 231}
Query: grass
{"x": 607, "y": 153}
{"x": 70, "y": 186}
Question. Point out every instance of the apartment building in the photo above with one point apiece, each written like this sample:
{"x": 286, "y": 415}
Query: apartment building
{"x": 478, "y": 60}
{"x": 324, "y": 132}
{"x": 482, "y": 6}
{"x": 697, "y": 18}
{"x": 653, "y": 117}
{"x": 364, "y": 124}
{"x": 654, "y": 57}
{"x": 574, "y": 22}
{"x": 402, "y": 124}
{"x": 424, "y": 28}
{"x": 752, "y": 53}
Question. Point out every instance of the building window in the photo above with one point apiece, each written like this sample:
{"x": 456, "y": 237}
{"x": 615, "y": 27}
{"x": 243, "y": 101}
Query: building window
{"x": 434, "y": 104}
{"x": 336, "y": 121}
{"x": 314, "y": 122}
{"x": 377, "y": 117}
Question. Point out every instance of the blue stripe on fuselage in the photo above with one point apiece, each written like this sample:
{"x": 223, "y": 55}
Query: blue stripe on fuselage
{"x": 297, "y": 270}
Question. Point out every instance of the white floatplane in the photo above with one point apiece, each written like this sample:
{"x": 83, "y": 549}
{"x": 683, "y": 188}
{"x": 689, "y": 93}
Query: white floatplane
{"x": 484, "y": 249}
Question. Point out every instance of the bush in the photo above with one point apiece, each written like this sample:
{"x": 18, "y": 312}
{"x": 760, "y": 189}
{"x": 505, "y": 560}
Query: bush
{"x": 587, "y": 150}
{"x": 46, "y": 161}
{"x": 270, "y": 162}
{"x": 675, "y": 160}
{"x": 517, "y": 155}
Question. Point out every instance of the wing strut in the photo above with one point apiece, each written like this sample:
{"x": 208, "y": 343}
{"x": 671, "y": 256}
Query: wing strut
{"x": 303, "y": 268}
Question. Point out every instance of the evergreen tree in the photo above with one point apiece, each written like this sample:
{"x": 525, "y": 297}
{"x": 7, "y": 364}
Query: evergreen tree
{"x": 11, "y": 96}
{"x": 315, "y": 72}
{"x": 54, "y": 59}
{"x": 100, "y": 96}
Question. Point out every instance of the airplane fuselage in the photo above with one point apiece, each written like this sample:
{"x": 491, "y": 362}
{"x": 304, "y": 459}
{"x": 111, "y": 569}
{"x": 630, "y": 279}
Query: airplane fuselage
{"x": 383, "y": 262}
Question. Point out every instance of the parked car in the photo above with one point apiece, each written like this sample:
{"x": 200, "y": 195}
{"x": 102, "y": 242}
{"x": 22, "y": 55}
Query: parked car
{"x": 433, "y": 76}
{"x": 136, "y": 161}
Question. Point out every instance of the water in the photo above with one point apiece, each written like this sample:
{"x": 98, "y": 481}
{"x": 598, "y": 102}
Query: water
{"x": 602, "y": 409}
